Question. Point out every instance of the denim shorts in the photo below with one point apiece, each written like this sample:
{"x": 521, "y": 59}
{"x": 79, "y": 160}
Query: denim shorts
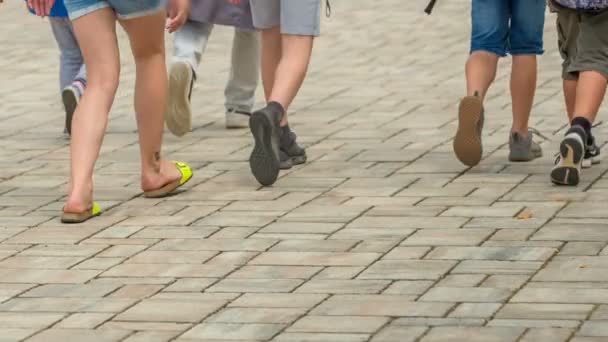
{"x": 508, "y": 26}
{"x": 125, "y": 9}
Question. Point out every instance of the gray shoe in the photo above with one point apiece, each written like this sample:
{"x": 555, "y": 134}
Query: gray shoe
{"x": 178, "y": 115}
{"x": 290, "y": 149}
{"x": 265, "y": 159}
{"x": 523, "y": 149}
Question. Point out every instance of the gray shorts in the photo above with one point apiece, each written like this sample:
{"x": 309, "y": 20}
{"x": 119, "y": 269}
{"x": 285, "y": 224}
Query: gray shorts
{"x": 296, "y": 17}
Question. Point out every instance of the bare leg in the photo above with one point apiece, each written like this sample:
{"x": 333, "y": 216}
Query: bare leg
{"x": 590, "y": 92}
{"x": 570, "y": 97}
{"x": 146, "y": 35}
{"x": 480, "y": 72}
{"x": 96, "y": 33}
{"x": 271, "y": 56}
{"x": 291, "y": 70}
{"x": 523, "y": 88}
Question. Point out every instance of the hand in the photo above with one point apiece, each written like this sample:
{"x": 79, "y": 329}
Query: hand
{"x": 42, "y": 8}
{"x": 179, "y": 11}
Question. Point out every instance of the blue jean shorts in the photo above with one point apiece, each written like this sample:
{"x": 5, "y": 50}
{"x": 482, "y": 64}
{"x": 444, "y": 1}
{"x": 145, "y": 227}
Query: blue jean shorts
{"x": 125, "y": 9}
{"x": 508, "y": 26}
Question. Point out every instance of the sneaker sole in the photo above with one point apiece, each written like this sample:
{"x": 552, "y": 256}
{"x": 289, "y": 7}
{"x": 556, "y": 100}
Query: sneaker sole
{"x": 70, "y": 102}
{"x": 567, "y": 172}
{"x": 179, "y": 114}
{"x": 467, "y": 142}
{"x": 264, "y": 163}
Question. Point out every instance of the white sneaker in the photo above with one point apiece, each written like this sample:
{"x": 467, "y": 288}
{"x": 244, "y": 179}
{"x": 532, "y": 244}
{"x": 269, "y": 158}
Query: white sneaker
{"x": 179, "y": 114}
{"x": 237, "y": 119}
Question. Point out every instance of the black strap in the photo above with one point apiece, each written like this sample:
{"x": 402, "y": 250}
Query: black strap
{"x": 327, "y": 9}
{"x": 429, "y": 7}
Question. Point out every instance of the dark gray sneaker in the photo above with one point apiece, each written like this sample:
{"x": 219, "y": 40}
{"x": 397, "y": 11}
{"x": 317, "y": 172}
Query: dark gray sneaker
{"x": 568, "y": 165}
{"x": 292, "y": 153}
{"x": 265, "y": 158}
{"x": 523, "y": 149}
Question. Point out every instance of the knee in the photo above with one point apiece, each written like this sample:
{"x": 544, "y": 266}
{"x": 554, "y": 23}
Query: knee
{"x": 104, "y": 79}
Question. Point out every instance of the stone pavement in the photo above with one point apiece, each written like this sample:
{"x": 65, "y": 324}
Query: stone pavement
{"x": 383, "y": 236}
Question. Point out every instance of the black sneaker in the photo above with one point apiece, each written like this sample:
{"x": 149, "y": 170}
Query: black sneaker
{"x": 265, "y": 127}
{"x": 592, "y": 154}
{"x": 290, "y": 148}
{"x": 568, "y": 165}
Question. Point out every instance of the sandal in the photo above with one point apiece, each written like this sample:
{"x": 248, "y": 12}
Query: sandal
{"x": 164, "y": 191}
{"x": 81, "y": 217}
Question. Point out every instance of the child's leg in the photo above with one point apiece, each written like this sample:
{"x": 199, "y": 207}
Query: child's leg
{"x": 526, "y": 42}
{"x": 96, "y": 33}
{"x": 146, "y": 35}
{"x": 244, "y": 71}
{"x": 271, "y": 56}
{"x": 190, "y": 43}
{"x": 490, "y": 20}
{"x": 71, "y": 57}
{"x": 591, "y": 65}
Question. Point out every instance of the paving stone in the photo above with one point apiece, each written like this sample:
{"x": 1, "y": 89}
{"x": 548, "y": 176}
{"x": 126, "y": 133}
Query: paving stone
{"x": 475, "y": 310}
{"x": 151, "y": 336}
{"x": 492, "y": 253}
{"x": 228, "y": 331}
{"x": 407, "y": 269}
{"x": 461, "y": 280}
{"x": 473, "y": 334}
{"x": 531, "y": 323}
{"x": 314, "y": 259}
{"x": 278, "y": 300}
{"x": 257, "y": 315}
{"x": 56, "y": 335}
{"x": 17, "y": 320}
{"x": 275, "y": 272}
{"x": 575, "y": 269}
{"x": 351, "y": 286}
{"x": 561, "y": 295}
{"x": 544, "y": 311}
{"x": 379, "y": 305}
{"x": 395, "y": 333}
{"x": 594, "y": 329}
{"x": 340, "y": 272}
{"x": 448, "y": 237}
{"x": 497, "y": 267}
{"x": 84, "y": 320}
{"x": 58, "y": 304}
{"x": 313, "y": 246}
{"x": 255, "y": 285}
{"x": 321, "y": 337}
{"x": 512, "y": 282}
{"x": 463, "y": 294}
{"x": 409, "y": 287}
{"x": 165, "y": 310}
{"x": 547, "y": 335}
{"x": 341, "y": 324}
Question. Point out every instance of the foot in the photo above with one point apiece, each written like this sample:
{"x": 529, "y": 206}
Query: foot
{"x": 523, "y": 148}
{"x": 79, "y": 201}
{"x": 292, "y": 153}
{"x": 179, "y": 114}
{"x": 467, "y": 142}
{"x": 592, "y": 154}
{"x": 70, "y": 96}
{"x": 568, "y": 165}
{"x": 167, "y": 174}
{"x": 237, "y": 119}
{"x": 265, "y": 159}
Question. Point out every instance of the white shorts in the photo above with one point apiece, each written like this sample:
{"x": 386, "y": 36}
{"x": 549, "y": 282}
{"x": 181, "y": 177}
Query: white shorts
{"x": 296, "y": 17}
